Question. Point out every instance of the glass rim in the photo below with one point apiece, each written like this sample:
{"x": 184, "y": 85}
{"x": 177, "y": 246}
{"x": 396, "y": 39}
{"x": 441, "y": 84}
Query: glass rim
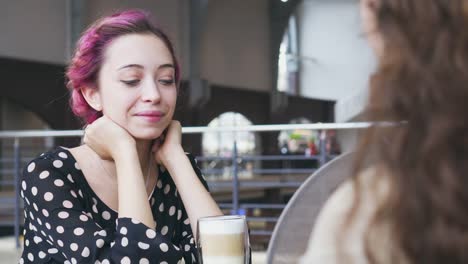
{"x": 221, "y": 217}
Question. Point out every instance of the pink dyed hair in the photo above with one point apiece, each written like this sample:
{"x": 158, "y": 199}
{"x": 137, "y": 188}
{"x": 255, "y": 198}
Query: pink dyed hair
{"x": 87, "y": 60}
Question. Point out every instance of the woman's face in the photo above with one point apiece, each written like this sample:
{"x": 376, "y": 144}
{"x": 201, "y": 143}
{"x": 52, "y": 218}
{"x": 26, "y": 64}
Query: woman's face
{"x": 136, "y": 85}
{"x": 369, "y": 24}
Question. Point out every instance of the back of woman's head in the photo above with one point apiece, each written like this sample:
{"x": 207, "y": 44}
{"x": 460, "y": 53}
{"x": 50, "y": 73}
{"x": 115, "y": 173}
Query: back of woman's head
{"x": 86, "y": 63}
{"x": 422, "y": 79}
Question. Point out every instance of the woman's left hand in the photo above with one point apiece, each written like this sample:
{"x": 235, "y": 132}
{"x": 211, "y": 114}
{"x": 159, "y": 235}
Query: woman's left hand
{"x": 166, "y": 146}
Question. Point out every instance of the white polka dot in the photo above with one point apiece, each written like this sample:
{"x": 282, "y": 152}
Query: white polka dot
{"x": 22, "y": 194}
{"x": 144, "y": 261}
{"x": 23, "y": 184}
{"x": 105, "y": 262}
{"x": 102, "y": 233}
{"x": 34, "y": 190}
{"x": 27, "y": 201}
{"x": 83, "y": 218}
{"x": 112, "y": 244}
{"x": 125, "y": 260}
{"x": 63, "y": 155}
{"x": 48, "y": 196}
{"x": 74, "y": 261}
{"x": 163, "y": 262}
{"x": 48, "y": 226}
{"x": 184, "y": 233}
{"x": 69, "y": 177}
{"x": 163, "y": 247}
{"x": 43, "y": 233}
{"x": 31, "y": 167}
{"x": 97, "y": 262}
{"x": 37, "y": 240}
{"x": 60, "y": 229}
{"x": 172, "y": 210}
{"x": 99, "y": 243}
{"x": 143, "y": 245}
{"x": 58, "y": 183}
{"x": 52, "y": 251}
{"x": 106, "y": 215}
{"x": 67, "y": 204}
{"x": 26, "y": 242}
{"x": 124, "y": 242}
{"x": 187, "y": 248}
{"x": 44, "y": 175}
{"x": 161, "y": 207}
{"x": 135, "y": 221}
{"x": 21, "y": 261}
{"x": 187, "y": 221}
{"x": 167, "y": 189}
{"x": 164, "y": 230}
{"x": 74, "y": 246}
{"x": 57, "y": 163}
{"x": 153, "y": 201}
{"x": 39, "y": 221}
{"x": 85, "y": 252}
{"x": 45, "y": 213}
{"x": 179, "y": 214}
{"x": 31, "y": 215}
{"x": 63, "y": 215}
{"x": 123, "y": 231}
{"x": 77, "y": 166}
{"x": 78, "y": 231}
{"x": 30, "y": 257}
{"x": 73, "y": 193}
{"x": 35, "y": 207}
{"x": 42, "y": 254}
{"x": 94, "y": 209}
{"x": 50, "y": 237}
{"x": 159, "y": 184}
{"x": 150, "y": 233}
{"x": 60, "y": 243}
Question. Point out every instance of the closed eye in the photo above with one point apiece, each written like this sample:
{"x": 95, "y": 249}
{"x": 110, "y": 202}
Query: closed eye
{"x": 166, "y": 81}
{"x": 131, "y": 82}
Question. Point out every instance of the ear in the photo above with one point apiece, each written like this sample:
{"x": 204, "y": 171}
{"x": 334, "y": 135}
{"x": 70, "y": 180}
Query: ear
{"x": 92, "y": 97}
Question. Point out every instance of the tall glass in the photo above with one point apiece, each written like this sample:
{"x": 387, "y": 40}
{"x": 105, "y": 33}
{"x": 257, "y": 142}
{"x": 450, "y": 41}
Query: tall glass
{"x": 223, "y": 240}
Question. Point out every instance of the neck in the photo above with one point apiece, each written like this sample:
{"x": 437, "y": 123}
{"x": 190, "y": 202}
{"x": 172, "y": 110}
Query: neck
{"x": 144, "y": 151}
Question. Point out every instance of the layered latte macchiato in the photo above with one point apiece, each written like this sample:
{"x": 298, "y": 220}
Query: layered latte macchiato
{"x": 222, "y": 239}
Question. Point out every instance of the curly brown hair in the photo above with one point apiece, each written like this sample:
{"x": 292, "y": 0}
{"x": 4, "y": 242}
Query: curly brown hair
{"x": 422, "y": 79}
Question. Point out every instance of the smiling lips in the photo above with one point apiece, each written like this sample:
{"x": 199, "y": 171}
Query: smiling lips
{"x": 151, "y": 116}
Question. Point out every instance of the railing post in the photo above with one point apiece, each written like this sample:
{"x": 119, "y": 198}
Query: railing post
{"x": 323, "y": 149}
{"x": 17, "y": 164}
{"x": 235, "y": 181}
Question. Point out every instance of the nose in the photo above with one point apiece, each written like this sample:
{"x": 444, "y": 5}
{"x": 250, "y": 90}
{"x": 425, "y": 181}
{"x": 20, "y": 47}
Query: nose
{"x": 150, "y": 92}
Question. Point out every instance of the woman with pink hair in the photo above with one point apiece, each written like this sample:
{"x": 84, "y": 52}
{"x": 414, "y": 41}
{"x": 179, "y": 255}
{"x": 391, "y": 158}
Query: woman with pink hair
{"x": 129, "y": 194}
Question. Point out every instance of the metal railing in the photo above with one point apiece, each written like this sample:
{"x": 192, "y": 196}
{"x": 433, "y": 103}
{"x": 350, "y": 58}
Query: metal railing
{"x": 236, "y": 184}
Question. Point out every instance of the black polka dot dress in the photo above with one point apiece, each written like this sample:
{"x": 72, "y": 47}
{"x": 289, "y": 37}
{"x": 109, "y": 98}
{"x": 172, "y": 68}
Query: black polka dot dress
{"x": 66, "y": 222}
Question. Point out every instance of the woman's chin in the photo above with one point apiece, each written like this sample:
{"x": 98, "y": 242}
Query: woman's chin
{"x": 147, "y": 136}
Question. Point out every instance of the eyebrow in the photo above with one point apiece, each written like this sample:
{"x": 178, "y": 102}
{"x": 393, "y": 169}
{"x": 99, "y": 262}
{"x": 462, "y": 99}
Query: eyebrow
{"x": 166, "y": 65}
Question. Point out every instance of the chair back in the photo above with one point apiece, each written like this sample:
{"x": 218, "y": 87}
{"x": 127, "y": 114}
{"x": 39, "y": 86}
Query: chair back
{"x": 294, "y": 227}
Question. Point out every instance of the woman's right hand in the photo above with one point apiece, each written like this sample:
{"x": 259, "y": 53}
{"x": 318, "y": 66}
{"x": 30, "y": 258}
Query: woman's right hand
{"x": 107, "y": 138}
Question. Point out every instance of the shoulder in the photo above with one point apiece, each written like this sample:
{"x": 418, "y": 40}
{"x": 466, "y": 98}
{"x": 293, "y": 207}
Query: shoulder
{"x": 54, "y": 163}
{"x": 323, "y": 242}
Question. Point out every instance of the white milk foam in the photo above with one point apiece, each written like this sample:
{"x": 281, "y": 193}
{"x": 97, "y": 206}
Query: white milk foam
{"x": 222, "y": 225}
